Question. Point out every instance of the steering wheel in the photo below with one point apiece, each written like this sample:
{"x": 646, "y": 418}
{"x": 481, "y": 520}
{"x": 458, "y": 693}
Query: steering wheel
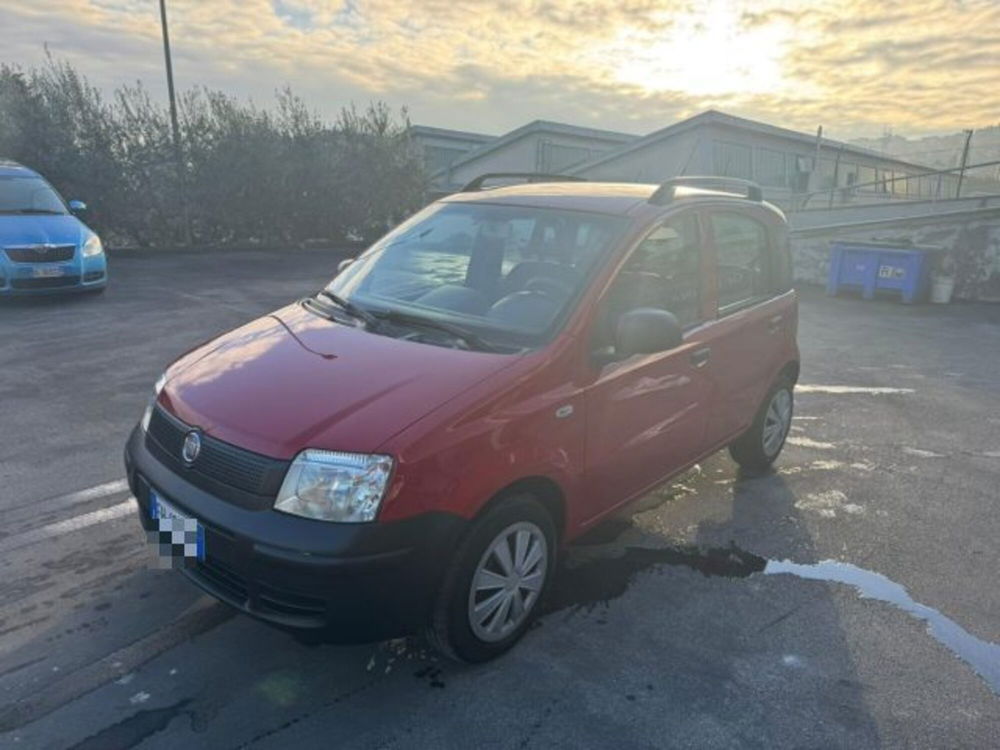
{"x": 549, "y": 286}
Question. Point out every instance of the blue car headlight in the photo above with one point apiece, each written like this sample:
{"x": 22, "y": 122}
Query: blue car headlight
{"x": 92, "y": 246}
{"x": 335, "y": 486}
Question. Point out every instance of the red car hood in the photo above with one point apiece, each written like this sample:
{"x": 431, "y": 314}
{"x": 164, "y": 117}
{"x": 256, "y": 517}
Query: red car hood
{"x": 291, "y": 380}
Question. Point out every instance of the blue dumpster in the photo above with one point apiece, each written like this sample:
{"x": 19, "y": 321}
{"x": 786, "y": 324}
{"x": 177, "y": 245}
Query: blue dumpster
{"x": 875, "y": 266}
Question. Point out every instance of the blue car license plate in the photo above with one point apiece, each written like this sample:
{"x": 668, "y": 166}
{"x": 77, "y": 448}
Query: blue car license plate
{"x": 180, "y": 535}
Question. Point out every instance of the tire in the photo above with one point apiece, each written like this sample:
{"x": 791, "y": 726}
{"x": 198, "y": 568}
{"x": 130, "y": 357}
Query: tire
{"x": 757, "y": 448}
{"x": 451, "y": 629}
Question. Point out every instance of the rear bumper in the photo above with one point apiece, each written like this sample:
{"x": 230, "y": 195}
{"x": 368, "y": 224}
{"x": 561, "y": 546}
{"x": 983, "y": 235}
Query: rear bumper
{"x": 346, "y": 582}
{"x": 78, "y": 275}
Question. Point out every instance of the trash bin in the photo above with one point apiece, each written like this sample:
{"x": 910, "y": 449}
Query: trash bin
{"x": 876, "y": 266}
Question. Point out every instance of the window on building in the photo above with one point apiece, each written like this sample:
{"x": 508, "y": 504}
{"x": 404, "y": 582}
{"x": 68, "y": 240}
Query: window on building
{"x": 866, "y": 176}
{"x": 439, "y": 157}
{"x": 732, "y": 160}
{"x": 772, "y": 168}
{"x": 741, "y": 250}
{"x": 555, "y": 157}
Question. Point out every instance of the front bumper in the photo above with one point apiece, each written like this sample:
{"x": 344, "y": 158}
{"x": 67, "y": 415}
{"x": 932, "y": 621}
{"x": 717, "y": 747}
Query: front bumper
{"x": 76, "y": 275}
{"x": 347, "y": 582}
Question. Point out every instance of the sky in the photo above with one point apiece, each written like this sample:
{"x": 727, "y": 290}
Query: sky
{"x": 853, "y": 66}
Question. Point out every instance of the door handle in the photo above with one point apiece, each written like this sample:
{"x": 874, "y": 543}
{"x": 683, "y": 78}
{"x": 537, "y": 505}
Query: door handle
{"x": 774, "y": 323}
{"x": 700, "y": 357}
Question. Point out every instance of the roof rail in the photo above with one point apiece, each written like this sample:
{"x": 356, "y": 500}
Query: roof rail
{"x": 665, "y": 193}
{"x": 477, "y": 183}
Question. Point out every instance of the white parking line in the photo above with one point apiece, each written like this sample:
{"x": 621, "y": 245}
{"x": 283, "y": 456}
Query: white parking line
{"x": 845, "y": 389}
{"x": 58, "y": 528}
{"x": 72, "y": 498}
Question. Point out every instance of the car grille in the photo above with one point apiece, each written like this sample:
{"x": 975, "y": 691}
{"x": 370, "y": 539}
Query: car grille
{"x": 50, "y": 283}
{"x": 256, "y": 597}
{"x": 220, "y": 466}
{"x": 41, "y": 253}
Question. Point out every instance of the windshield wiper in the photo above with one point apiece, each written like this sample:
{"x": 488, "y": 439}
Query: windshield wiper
{"x": 471, "y": 340}
{"x": 34, "y": 211}
{"x": 350, "y": 308}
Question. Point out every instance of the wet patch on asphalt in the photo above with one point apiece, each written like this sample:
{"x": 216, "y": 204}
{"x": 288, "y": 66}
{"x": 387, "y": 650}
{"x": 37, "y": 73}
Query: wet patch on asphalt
{"x": 599, "y": 580}
{"x": 129, "y": 732}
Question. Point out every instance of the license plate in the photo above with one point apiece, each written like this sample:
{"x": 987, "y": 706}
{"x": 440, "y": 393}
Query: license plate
{"x": 891, "y": 272}
{"x": 180, "y": 535}
{"x": 46, "y": 273}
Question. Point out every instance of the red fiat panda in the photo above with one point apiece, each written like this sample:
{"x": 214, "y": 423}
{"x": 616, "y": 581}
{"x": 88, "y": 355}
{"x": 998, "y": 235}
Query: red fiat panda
{"x": 410, "y": 447}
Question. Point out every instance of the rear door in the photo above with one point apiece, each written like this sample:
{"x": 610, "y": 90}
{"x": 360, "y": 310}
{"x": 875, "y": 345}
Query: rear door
{"x": 646, "y": 415}
{"x": 755, "y": 311}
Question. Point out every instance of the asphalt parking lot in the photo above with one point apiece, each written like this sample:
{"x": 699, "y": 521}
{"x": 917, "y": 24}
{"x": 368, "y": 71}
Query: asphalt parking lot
{"x": 849, "y": 599}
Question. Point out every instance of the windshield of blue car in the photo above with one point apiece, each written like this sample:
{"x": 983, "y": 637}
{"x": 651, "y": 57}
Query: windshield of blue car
{"x": 29, "y": 195}
{"x": 503, "y": 272}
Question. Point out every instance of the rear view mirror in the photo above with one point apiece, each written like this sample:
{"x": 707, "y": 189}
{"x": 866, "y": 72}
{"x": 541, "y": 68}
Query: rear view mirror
{"x": 343, "y": 265}
{"x": 647, "y": 330}
{"x": 77, "y": 208}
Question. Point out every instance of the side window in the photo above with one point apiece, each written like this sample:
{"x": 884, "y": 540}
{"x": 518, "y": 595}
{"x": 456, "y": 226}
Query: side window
{"x": 741, "y": 250}
{"x": 663, "y": 271}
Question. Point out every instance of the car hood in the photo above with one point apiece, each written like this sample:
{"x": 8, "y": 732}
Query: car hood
{"x": 292, "y": 380}
{"x": 38, "y": 229}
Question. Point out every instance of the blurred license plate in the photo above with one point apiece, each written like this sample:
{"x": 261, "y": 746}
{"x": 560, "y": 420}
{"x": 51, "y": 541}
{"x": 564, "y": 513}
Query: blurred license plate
{"x": 45, "y": 273}
{"x": 179, "y": 534}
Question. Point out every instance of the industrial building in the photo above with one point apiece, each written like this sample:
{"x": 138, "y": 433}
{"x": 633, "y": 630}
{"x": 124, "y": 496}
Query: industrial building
{"x": 795, "y": 169}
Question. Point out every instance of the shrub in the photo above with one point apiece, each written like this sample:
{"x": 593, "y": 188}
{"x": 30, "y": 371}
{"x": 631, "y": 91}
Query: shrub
{"x": 276, "y": 175}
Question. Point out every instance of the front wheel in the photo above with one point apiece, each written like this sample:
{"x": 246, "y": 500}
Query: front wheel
{"x": 757, "y": 448}
{"x": 493, "y": 586}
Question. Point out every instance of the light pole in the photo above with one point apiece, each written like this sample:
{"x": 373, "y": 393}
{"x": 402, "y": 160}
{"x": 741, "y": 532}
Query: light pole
{"x": 174, "y": 126}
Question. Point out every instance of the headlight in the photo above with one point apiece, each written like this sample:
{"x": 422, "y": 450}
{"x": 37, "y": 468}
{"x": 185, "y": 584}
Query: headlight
{"x": 147, "y": 415}
{"x": 329, "y": 486}
{"x": 92, "y": 246}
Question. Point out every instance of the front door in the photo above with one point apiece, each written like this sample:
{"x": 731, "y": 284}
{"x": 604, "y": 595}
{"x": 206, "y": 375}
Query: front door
{"x": 646, "y": 415}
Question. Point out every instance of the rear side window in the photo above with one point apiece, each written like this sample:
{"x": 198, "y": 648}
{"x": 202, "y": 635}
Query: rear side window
{"x": 741, "y": 251}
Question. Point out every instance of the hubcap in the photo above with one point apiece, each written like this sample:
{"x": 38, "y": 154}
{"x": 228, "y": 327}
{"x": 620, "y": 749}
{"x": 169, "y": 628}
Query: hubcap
{"x": 777, "y": 421}
{"x": 508, "y": 581}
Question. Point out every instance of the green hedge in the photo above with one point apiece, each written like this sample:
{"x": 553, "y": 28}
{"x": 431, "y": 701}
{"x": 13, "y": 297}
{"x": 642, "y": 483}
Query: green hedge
{"x": 248, "y": 175}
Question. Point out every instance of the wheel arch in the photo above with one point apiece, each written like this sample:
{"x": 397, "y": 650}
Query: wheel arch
{"x": 543, "y": 489}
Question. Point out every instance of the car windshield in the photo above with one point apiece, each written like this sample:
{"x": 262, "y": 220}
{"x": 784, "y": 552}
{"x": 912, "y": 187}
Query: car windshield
{"x": 511, "y": 272}
{"x": 27, "y": 195}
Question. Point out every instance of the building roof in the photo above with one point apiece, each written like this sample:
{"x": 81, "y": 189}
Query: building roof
{"x": 458, "y": 135}
{"x": 713, "y": 116}
{"x": 538, "y": 126}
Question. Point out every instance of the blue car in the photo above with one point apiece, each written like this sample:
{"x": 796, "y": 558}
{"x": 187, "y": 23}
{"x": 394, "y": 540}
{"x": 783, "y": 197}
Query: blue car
{"x": 44, "y": 247}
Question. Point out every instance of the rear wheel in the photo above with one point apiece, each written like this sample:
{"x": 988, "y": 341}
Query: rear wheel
{"x": 757, "y": 448}
{"x": 492, "y": 588}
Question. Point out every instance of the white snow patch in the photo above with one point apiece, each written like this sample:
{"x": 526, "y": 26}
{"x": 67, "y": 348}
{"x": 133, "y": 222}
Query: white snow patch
{"x": 141, "y": 697}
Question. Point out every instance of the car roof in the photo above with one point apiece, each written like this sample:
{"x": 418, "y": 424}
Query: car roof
{"x": 616, "y": 198}
{"x": 9, "y": 168}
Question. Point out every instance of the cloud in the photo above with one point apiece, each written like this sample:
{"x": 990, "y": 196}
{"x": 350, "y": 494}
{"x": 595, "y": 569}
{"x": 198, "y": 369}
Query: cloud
{"x": 852, "y": 65}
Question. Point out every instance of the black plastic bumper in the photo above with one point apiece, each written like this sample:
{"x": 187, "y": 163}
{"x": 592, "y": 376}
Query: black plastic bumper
{"x": 346, "y": 582}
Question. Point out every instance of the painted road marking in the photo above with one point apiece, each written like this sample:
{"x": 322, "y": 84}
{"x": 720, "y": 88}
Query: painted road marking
{"x": 72, "y": 498}
{"x": 845, "y": 389}
{"x": 76, "y": 523}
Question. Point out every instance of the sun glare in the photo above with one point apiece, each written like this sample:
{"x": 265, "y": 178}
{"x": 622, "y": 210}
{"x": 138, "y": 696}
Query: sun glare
{"x": 705, "y": 52}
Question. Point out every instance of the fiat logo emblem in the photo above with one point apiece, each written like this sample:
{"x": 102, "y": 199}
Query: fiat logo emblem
{"x": 192, "y": 447}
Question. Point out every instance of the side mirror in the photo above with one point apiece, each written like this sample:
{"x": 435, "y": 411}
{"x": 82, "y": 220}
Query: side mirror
{"x": 647, "y": 330}
{"x": 77, "y": 208}
{"x": 342, "y": 266}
